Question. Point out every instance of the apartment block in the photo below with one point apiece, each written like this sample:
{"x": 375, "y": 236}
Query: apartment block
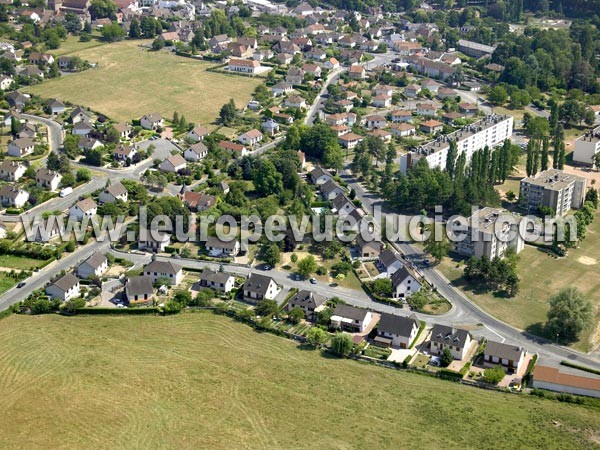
{"x": 587, "y": 146}
{"x": 554, "y": 189}
{"x": 489, "y": 236}
{"x": 491, "y": 131}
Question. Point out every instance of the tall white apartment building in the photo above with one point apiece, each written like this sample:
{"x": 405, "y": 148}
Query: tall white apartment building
{"x": 587, "y": 146}
{"x": 491, "y": 131}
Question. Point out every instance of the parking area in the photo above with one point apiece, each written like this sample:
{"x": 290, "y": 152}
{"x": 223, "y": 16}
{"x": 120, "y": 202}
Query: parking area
{"x": 163, "y": 148}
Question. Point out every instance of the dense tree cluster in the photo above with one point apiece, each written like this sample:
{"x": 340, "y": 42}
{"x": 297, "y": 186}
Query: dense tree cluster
{"x": 496, "y": 275}
{"x": 459, "y": 186}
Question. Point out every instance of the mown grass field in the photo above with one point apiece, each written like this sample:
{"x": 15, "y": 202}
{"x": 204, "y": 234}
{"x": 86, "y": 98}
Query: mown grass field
{"x": 204, "y": 381}
{"x": 19, "y": 262}
{"x": 542, "y": 276}
{"x": 130, "y": 82}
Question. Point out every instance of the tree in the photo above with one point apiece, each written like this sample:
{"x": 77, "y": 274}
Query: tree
{"x": 266, "y": 179}
{"x": 307, "y": 265}
{"x": 83, "y": 175}
{"x": 498, "y": 95}
{"x": 228, "y": 113}
{"x": 135, "y": 32}
{"x": 184, "y": 298}
{"x": 102, "y": 8}
{"x": 113, "y": 32}
{"x": 341, "y": 343}
{"x": 494, "y": 375}
{"x": 570, "y": 313}
{"x": 271, "y": 254}
{"x": 267, "y": 307}
{"x": 596, "y": 161}
{"x": 316, "y": 336}
{"x": 382, "y": 287}
{"x": 296, "y": 315}
{"x": 172, "y": 307}
{"x": 158, "y": 43}
{"x": 437, "y": 248}
{"x": 446, "y": 358}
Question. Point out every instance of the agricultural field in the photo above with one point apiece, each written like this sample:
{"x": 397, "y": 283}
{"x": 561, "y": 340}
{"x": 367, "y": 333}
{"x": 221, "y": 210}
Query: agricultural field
{"x": 130, "y": 82}
{"x": 542, "y": 276}
{"x": 202, "y": 380}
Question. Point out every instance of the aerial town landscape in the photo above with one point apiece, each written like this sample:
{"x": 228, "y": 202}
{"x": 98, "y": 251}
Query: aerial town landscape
{"x": 323, "y": 224}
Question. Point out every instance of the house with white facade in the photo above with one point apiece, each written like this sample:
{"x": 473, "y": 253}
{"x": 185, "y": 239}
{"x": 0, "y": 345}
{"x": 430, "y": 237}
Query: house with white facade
{"x": 166, "y": 270}
{"x": 65, "y": 288}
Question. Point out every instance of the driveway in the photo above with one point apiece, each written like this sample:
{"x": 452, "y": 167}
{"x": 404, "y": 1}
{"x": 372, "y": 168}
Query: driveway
{"x": 162, "y": 148}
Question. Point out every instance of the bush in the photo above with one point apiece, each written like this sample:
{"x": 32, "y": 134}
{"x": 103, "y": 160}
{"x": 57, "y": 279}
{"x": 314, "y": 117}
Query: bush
{"x": 341, "y": 344}
{"x": 493, "y": 375}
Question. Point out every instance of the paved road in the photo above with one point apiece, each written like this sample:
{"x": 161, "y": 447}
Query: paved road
{"x": 319, "y": 101}
{"x": 464, "y": 311}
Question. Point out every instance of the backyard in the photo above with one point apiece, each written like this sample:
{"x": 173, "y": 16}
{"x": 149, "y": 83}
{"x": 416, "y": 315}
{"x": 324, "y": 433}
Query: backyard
{"x": 130, "y": 82}
{"x": 202, "y": 380}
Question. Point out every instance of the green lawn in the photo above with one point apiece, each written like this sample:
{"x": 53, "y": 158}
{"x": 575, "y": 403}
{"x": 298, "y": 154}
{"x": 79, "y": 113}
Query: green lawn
{"x": 6, "y": 282}
{"x": 19, "y": 262}
{"x": 204, "y": 381}
{"x": 541, "y": 277}
{"x": 73, "y": 45}
{"x": 130, "y": 82}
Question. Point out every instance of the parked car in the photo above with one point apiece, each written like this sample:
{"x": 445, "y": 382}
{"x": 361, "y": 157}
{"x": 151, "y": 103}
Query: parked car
{"x": 435, "y": 361}
{"x": 21, "y": 284}
{"x": 313, "y": 281}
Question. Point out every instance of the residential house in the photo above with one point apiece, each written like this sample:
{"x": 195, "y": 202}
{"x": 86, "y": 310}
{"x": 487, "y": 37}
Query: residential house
{"x": 331, "y": 190}
{"x": 259, "y": 287}
{"x": 384, "y": 135}
{"x": 404, "y": 284}
{"x": 309, "y": 302}
{"x": 198, "y": 201}
{"x": 381, "y": 101}
{"x": 319, "y": 176}
{"x": 83, "y": 208}
{"x": 167, "y": 270}
{"x": 87, "y": 143}
{"x": 457, "y": 340}
{"x": 198, "y": 133}
{"x": 40, "y": 59}
{"x": 431, "y": 85}
{"x": 510, "y": 357}
{"x": 173, "y": 164}
{"x": 6, "y": 82}
{"x": 17, "y": 100}
{"x": 446, "y": 92}
{"x": 112, "y": 193}
{"x": 219, "y": 281}
{"x": 82, "y": 128}
{"x": 401, "y": 116}
{"x": 312, "y": 69}
{"x": 431, "y": 126}
{"x": 217, "y": 247}
{"x": 376, "y": 121}
{"x": 270, "y": 127}
{"x": 412, "y": 90}
{"x": 95, "y": 265}
{"x": 350, "y": 140}
{"x": 368, "y": 249}
{"x": 251, "y": 138}
{"x": 234, "y": 148}
{"x": 349, "y": 318}
{"x": 139, "y": 290}
{"x": 13, "y": 195}
{"x": 295, "y": 101}
{"x": 195, "y": 152}
{"x": 11, "y": 170}
{"x": 124, "y": 152}
{"x": 469, "y": 109}
{"x": 281, "y": 88}
{"x": 402, "y": 129}
{"x": 153, "y": 240}
{"x": 389, "y": 262}
{"x": 284, "y": 58}
{"x": 20, "y": 147}
{"x": 397, "y": 331}
{"x": 79, "y": 115}
{"x": 332, "y": 64}
{"x": 46, "y": 230}
{"x": 47, "y": 179}
{"x": 426, "y": 109}
{"x": 342, "y": 206}
{"x": 357, "y": 72}
{"x": 55, "y": 106}
{"x": 65, "y": 288}
{"x": 152, "y": 121}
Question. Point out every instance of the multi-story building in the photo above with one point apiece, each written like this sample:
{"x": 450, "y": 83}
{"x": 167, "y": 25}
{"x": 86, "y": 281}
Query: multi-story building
{"x": 491, "y": 131}
{"x": 587, "y": 146}
{"x": 554, "y": 189}
{"x": 487, "y": 236}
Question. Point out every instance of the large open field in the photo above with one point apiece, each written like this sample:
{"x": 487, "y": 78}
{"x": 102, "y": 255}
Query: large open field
{"x": 130, "y": 82}
{"x": 541, "y": 277}
{"x": 204, "y": 381}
